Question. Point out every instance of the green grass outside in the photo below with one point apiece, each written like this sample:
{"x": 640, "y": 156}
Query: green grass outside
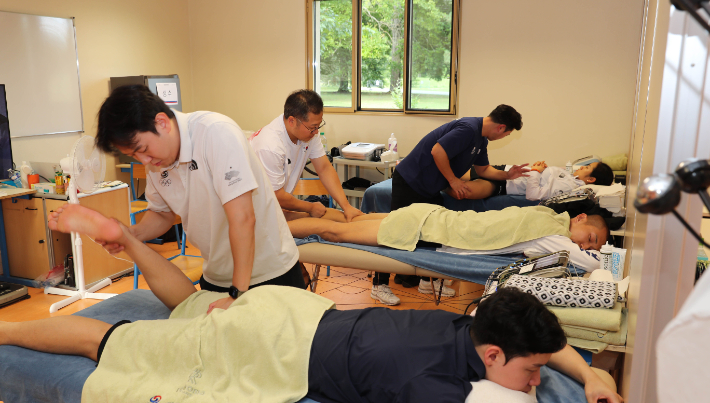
{"x": 383, "y": 100}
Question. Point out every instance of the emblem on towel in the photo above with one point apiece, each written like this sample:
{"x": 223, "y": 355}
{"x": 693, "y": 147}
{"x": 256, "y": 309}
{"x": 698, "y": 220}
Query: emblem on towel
{"x": 193, "y": 166}
{"x": 232, "y": 177}
{"x": 155, "y": 399}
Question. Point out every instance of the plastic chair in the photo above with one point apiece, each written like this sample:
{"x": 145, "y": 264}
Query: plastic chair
{"x": 313, "y": 187}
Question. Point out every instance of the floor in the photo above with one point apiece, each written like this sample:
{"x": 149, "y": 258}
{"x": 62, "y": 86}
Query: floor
{"x": 348, "y": 288}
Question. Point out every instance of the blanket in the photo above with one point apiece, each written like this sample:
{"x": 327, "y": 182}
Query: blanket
{"x": 597, "y": 318}
{"x": 490, "y": 230}
{"x": 244, "y": 353}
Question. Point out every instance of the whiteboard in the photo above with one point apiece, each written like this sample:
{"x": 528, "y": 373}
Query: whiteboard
{"x": 39, "y": 67}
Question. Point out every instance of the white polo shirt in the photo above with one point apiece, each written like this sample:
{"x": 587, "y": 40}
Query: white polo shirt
{"x": 283, "y": 160}
{"x": 216, "y": 165}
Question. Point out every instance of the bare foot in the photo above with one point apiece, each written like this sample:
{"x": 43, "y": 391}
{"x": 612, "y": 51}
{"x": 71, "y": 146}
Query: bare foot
{"x": 75, "y": 218}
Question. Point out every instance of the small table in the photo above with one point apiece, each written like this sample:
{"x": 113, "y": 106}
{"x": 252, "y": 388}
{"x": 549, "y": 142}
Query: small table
{"x": 346, "y": 163}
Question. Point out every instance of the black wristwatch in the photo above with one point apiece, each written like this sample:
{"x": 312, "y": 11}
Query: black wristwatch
{"x": 234, "y": 292}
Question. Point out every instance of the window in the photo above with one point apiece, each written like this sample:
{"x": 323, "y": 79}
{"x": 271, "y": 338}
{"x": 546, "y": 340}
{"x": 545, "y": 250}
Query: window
{"x": 384, "y": 55}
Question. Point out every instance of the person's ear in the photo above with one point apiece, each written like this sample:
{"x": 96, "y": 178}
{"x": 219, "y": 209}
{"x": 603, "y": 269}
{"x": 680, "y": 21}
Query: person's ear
{"x": 493, "y": 355}
{"x": 591, "y": 179}
{"x": 581, "y": 218}
{"x": 162, "y": 122}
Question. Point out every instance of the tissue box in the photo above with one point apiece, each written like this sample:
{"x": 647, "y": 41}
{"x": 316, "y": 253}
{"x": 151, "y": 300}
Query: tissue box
{"x": 44, "y": 188}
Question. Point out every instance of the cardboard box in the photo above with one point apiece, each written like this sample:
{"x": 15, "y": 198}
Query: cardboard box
{"x": 44, "y": 187}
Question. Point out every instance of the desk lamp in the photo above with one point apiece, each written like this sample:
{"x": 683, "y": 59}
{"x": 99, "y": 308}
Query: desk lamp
{"x": 660, "y": 194}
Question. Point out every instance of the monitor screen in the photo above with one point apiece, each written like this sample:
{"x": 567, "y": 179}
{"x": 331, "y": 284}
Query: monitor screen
{"x": 5, "y": 148}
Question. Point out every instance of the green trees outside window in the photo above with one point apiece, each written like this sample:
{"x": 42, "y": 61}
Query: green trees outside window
{"x": 399, "y": 55}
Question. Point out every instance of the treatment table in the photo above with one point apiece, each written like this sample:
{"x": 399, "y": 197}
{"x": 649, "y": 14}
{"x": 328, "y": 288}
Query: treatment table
{"x": 30, "y": 376}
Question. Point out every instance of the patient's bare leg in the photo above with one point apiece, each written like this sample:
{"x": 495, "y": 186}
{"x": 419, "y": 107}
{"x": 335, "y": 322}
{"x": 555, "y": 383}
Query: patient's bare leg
{"x": 477, "y": 189}
{"x": 73, "y": 335}
{"x": 166, "y": 281}
{"x": 333, "y": 215}
{"x": 358, "y": 232}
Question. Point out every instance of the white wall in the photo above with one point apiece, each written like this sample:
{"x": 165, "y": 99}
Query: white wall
{"x": 114, "y": 38}
{"x": 568, "y": 67}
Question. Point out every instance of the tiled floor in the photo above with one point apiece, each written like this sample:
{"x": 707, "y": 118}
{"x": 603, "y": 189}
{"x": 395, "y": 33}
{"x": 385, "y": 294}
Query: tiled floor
{"x": 350, "y": 289}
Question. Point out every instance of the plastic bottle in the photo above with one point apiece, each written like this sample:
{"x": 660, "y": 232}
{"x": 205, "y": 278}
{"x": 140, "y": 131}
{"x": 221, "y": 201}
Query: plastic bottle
{"x": 605, "y": 259}
{"x": 25, "y": 169}
{"x": 324, "y": 141}
{"x": 392, "y": 143}
{"x": 569, "y": 166}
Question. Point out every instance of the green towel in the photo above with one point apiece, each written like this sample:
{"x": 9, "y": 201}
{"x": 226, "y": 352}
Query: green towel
{"x": 595, "y": 347}
{"x": 489, "y": 230}
{"x": 255, "y": 351}
{"x": 596, "y": 318}
{"x": 603, "y": 336}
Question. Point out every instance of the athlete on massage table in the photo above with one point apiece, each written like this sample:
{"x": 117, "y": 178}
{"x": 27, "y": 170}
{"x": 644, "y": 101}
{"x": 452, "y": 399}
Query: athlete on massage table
{"x": 429, "y": 355}
{"x": 533, "y": 230}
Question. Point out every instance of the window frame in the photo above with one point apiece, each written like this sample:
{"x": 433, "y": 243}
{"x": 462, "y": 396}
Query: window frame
{"x": 406, "y": 79}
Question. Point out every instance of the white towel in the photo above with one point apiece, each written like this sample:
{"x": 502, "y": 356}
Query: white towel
{"x": 485, "y": 391}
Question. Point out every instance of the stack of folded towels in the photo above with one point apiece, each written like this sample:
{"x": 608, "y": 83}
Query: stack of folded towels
{"x": 589, "y": 311}
{"x": 593, "y": 329}
{"x": 610, "y": 197}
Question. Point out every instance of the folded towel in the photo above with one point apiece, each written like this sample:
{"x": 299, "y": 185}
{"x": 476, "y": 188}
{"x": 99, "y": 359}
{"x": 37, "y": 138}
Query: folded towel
{"x": 567, "y": 292}
{"x": 614, "y": 338}
{"x": 485, "y": 391}
{"x": 595, "y": 347}
{"x": 596, "y": 318}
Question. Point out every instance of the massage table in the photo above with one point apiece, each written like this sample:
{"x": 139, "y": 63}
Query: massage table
{"x": 378, "y": 198}
{"x": 423, "y": 261}
{"x": 30, "y": 376}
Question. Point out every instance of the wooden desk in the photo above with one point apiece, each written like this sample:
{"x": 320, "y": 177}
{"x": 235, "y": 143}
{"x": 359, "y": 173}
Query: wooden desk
{"x": 32, "y": 249}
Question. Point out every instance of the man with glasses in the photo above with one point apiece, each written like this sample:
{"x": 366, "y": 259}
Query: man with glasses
{"x": 199, "y": 166}
{"x": 285, "y": 145}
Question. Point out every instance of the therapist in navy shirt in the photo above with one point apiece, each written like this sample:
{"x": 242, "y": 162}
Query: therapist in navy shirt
{"x": 439, "y": 161}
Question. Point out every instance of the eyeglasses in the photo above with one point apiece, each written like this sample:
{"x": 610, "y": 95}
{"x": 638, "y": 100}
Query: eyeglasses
{"x": 315, "y": 129}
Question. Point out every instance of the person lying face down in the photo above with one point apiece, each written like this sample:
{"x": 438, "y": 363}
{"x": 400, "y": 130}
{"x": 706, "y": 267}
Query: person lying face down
{"x": 427, "y": 355}
{"x": 541, "y": 182}
{"x": 486, "y": 231}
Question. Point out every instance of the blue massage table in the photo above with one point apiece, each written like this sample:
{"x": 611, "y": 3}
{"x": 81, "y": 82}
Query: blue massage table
{"x": 378, "y": 197}
{"x": 33, "y": 377}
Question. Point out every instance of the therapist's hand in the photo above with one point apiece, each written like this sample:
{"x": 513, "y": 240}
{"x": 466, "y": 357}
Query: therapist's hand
{"x": 317, "y": 210}
{"x": 223, "y": 303}
{"x": 597, "y": 390}
{"x": 517, "y": 171}
{"x": 114, "y": 248}
{"x": 351, "y": 212}
{"x": 458, "y": 189}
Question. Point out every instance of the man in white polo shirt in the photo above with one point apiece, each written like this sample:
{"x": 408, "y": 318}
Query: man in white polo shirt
{"x": 200, "y": 166}
{"x": 285, "y": 145}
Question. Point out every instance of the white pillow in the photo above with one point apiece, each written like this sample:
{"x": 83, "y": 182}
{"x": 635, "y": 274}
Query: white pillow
{"x": 485, "y": 391}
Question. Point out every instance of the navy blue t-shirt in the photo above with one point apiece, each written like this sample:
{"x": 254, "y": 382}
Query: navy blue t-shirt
{"x": 464, "y": 145}
{"x": 384, "y": 355}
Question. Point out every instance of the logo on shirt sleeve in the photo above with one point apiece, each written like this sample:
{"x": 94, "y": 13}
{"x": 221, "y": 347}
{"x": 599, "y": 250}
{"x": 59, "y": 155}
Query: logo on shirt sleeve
{"x": 232, "y": 177}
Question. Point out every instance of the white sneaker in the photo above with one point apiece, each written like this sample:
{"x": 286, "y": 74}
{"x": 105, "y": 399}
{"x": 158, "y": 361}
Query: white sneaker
{"x": 383, "y": 293}
{"x": 425, "y": 288}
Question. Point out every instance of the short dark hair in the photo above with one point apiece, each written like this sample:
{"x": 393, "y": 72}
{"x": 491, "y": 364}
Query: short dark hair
{"x": 598, "y": 221}
{"x": 300, "y": 102}
{"x": 129, "y": 109}
{"x": 603, "y": 174}
{"x": 517, "y": 323}
{"x": 508, "y": 116}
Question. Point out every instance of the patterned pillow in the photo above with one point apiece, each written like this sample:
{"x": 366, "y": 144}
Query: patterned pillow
{"x": 567, "y": 292}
